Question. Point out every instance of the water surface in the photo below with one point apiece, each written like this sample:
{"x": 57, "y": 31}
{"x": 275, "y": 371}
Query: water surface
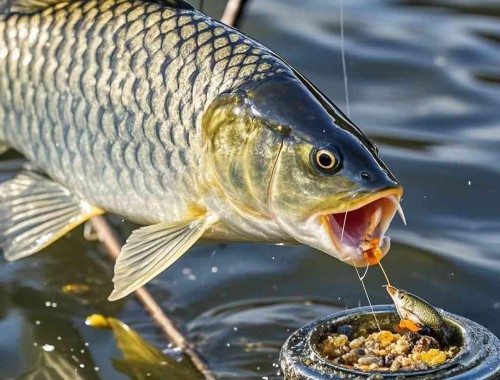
{"x": 424, "y": 83}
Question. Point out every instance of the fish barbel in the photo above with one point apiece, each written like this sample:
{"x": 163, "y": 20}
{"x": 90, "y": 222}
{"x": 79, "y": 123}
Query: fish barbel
{"x": 154, "y": 111}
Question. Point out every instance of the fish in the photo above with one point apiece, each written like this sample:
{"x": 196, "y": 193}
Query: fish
{"x": 157, "y": 113}
{"x": 416, "y": 312}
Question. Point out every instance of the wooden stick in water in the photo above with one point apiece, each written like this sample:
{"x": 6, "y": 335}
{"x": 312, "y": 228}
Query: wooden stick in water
{"x": 233, "y": 13}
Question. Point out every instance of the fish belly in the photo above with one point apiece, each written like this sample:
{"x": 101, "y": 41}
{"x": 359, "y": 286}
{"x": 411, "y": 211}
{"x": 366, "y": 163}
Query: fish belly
{"x": 106, "y": 97}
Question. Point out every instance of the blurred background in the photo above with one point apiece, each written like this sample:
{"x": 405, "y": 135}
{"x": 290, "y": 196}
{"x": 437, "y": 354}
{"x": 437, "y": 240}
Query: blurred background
{"x": 424, "y": 83}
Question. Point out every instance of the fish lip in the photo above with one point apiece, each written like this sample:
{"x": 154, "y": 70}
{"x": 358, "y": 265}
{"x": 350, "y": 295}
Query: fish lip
{"x": 350, "y": 247}
{"x": 391, "y": 290}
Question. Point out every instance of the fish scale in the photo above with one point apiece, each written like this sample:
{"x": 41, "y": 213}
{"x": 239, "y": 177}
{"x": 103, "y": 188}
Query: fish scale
{"x": 106, "y": 97}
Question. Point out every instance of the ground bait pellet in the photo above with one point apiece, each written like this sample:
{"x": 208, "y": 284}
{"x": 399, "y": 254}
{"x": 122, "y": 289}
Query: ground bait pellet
{"x": 386, "y": 351}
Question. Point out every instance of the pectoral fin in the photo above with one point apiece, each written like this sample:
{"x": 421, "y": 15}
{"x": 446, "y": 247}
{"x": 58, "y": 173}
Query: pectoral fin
{"x": 36, "y": 211}
{"x": 150, "y": 250}
{"x": 410, "y": 316}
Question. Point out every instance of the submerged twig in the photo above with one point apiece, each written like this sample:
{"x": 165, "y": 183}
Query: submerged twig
{"x": 233, "y": 12}
{"x": 107, "y": 236}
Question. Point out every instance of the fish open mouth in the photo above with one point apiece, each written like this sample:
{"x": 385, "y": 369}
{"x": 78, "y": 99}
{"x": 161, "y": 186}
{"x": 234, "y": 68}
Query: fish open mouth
{"x": 362, "y": 228}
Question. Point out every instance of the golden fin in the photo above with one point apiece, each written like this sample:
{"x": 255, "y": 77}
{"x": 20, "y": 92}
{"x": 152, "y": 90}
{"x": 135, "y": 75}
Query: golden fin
{"x": 150, "y": 250}
{"x": 141, "y": 360}
{"x": 35, "y": 212}
{"x": 33, "y": 6}
{"x": 135, "y": 348}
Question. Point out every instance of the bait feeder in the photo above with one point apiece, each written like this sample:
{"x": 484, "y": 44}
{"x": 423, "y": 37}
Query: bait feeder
{"x": 478, "y": 358}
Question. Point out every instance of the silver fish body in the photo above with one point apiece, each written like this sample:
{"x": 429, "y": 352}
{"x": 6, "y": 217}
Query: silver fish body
{"x": 106, "y": 97}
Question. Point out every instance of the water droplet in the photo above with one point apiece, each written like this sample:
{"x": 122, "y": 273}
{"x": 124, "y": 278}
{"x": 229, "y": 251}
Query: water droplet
{"x": 215, "y": 269}
{"x": 47, "y": 303}
{"x": 469, "y": 183}
{"x": 96, "y": 369}
{"x": 440, "y": 61}
{"x": 37, "y": 322}
{"x": 48, "y": 347}
{"x": 82, "y": 365}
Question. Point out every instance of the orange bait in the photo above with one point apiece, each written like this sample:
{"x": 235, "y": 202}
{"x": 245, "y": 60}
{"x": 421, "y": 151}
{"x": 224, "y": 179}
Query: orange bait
{"x": 373, "y": 255}
{"x": 407, "y": 325}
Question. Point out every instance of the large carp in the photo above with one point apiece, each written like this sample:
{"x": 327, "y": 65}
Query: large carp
{"x": 154, "y": 111}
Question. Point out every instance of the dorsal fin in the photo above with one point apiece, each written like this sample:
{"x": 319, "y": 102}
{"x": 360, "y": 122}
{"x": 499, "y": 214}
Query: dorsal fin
{"x": 33, "y": 6}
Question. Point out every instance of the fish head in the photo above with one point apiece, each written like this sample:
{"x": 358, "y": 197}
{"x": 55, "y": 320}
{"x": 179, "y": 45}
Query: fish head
{"x": 409, "y": 306}
{"x": 282, "y": 150}
{"x": 329, "y": 188}
{"x": 401, "y": 300}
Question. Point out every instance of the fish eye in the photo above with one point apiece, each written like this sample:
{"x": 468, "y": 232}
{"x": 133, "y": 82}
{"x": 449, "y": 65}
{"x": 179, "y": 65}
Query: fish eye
{"x": 325, "y": 159}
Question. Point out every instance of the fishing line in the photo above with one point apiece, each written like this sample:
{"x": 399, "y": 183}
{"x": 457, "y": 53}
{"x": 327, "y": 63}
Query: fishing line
{"x": 366, "y": 272}
{"x": 343, "y": 227}
{"x": 368, "y": 298}
{"x": 344, "y": 69}
{"x": 383, "y": 271}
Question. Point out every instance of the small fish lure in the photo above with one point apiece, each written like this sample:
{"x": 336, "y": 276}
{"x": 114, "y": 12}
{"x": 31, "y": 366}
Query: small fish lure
{"x": 417, "y": 314}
